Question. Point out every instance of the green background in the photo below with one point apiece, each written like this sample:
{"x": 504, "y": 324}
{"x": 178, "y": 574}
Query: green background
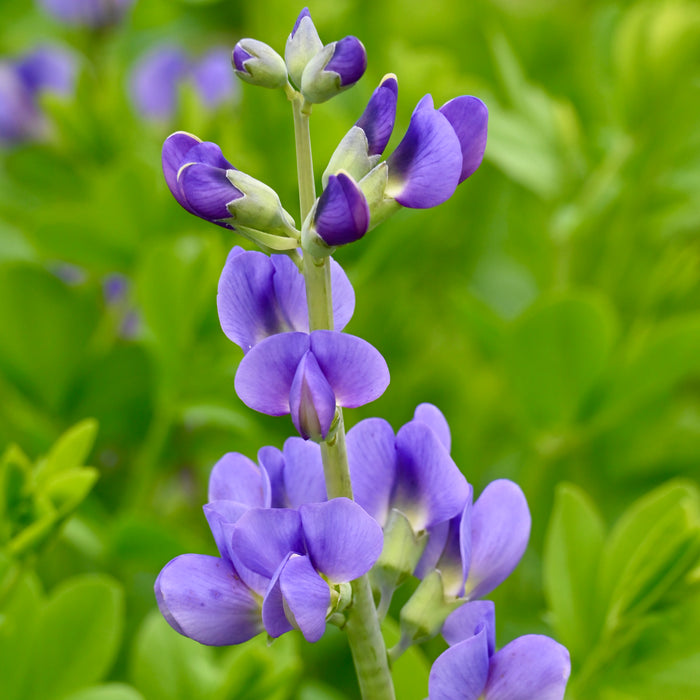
{"x": 550, "y": 309}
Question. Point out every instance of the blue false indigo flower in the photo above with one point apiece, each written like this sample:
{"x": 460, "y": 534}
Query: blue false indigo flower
{"x": 411, "y": 472}
{"x": 158, "y": 76}
{"x": 532, "y": 666}
{"x": 337, "y": 67}
{"x": 307, "y": 375}
{"x": 89, "y": 13}
{"x": 362, "y": 147}
{"x": 47, "y": 69}
{"x": 261, "y": 295}
{"x": 208, "y": 186}
{"x": 258, "y": 64}
{"x": 340, "y": 216}
{"x": 302, "y": 45}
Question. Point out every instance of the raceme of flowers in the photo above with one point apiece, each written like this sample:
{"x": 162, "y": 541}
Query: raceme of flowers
{"x": 289, "y": 556}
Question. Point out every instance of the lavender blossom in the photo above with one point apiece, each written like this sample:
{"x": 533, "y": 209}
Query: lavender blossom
{"x": 532, "y": 666}
{"x": 262, "y": 295}
{"x": 307, "y": 375}
{"x": 89, "y": 13}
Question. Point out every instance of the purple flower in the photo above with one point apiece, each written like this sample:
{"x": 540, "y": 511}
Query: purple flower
{"x": 302, "y": 45}
{"x": 258, "y": 64}
{"x": 207, "y": 185}
{"x": 377, "y": 121}
{"x": 307, "y": 375}
{"x": 158, "y": 76}
{"x": 90, "y": 13}
{"x": 478, "y": 549}
{"x": 440, "y": 149}
{"x": 341, "y": 215}
{"x": 22, "y": 81}
{"x": 532, "y": 666}
{"x": 262, "y": 295}
{"x": 411, "y": 472}
{"x": 336, "y": 67}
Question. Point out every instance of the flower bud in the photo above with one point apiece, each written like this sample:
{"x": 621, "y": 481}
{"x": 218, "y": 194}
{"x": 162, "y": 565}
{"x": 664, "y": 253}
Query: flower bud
{"x": 337, "y": 67}
{"x": 302, "y": 45}
{"x": 258, "y": 64}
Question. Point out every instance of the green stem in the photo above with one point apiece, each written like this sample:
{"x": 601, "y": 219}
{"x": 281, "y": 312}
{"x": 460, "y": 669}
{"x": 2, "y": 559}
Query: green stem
{"x": 364, "y": 633}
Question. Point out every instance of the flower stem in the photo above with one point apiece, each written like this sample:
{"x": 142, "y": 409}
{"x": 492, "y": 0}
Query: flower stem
{"x": 364, "y": 634}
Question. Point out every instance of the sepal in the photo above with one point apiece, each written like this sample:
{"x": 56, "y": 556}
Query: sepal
{"x": 302, "y": 45}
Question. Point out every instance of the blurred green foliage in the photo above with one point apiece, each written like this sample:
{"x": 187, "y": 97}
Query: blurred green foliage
{"x": 550, "y": 309}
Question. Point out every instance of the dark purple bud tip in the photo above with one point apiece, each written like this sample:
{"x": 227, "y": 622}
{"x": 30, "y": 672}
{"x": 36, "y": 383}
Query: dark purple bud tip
{"x": 304, "y": 13}
{"x": 377, "y": 121}
{"x": 349, "y": 60}
{"x": 342, "y": 213}
{"x": 239, "y": 57}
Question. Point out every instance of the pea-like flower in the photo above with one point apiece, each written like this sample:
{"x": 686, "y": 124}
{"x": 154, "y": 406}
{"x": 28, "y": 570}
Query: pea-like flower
{"x": 207, "y": 185}
{"x": 261, "y": 295}
{"x": 159, "y": 75}
{"x": 532, "y": 666}
{"x": 308, "y": 375}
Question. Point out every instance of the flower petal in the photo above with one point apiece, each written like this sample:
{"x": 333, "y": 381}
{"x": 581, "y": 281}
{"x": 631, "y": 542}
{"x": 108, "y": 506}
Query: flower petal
{"x": 349, "y": 60}
{"x": 304, "y": 480}
{"x": 273, "y": 613}
{"x": 469, "y": 118}
{"x": 372, "y": 461}
{"x": 533, "y": 666}
{"x": 263, "y": 537}
{"x": 214, "y": 78}
{"x": 432, "y": 417}
{"x": 355, "y": 370}
{"x": 377, "y": 121}
{"x": 175, "y": 149}
{"x": 265, "y": 375}
{"x": 342, "y": 213}
{"x": 456, "y": 555}
{"x": 306, "y": 595}
{"x": 311, "y": 400}
{"x": 236, "y": 478}
{"x": 290, "y": 290}
{"x": 424, "y": 169}
{"x": 202, "y": 598}
{"x": 343, "y": 296}
{"x": 500, "y": 533}
{"x": 464, "y": 623}
{"x": 273, "y": 462}
{"x": 207, "y": 190}
{"x": 221, "y": 516}
{"x": 154, "y": 81}
{"x": 460, "y": 673}
{"x": 342, "y": 539}
{"x": 429, "y": 486}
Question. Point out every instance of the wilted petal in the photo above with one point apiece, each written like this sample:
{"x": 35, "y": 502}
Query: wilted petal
{"x": 155, "y": 80}
{"x": 469, "y": 118}
{"x": 236, "y": 478}
{"x": 377, "y": 121}
{"x": 265, "y": 375}
{"x": 342, "y": 539}
{"x": 533, "y": 666}
{"x": 464, "y": 623}
{"x": 263, "y": 537}
{"x": 306, "y": 595}
{"x": 342, "y": 213}
{"x": 500, "y": 533}
{"x": 202, "y": 598}
{"x": 432, "y": 417}
{"x": 460, "y": 673}
{"x": 207, "y": 190}
{"x": 304, "y": 481}
{"x": 372, "y": 461}
{"x": 349, "y": 60}
{"x": 429, "y": 486}
{"x": 356, "y": 371}
{"x": 175, "y": 148}
{"x": 311, "y": 400}
{"x": 424, "y": 169}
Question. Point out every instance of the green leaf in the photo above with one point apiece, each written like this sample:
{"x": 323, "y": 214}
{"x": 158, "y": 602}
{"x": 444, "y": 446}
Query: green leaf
{"x": 78, "y": 636}
{"x": 167, "y": 666}
{"x": 70, "y": 450}
{"x": 572, "y": 552}
{"x": 555, "y": 354}
{"x": 66, "y": 491}
{"x": 109, "y": 691}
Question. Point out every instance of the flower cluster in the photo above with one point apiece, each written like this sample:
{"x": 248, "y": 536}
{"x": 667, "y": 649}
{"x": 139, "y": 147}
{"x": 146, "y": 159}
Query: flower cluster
{"x": 304, "y": 533}
{"x": 47, "y": 69}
